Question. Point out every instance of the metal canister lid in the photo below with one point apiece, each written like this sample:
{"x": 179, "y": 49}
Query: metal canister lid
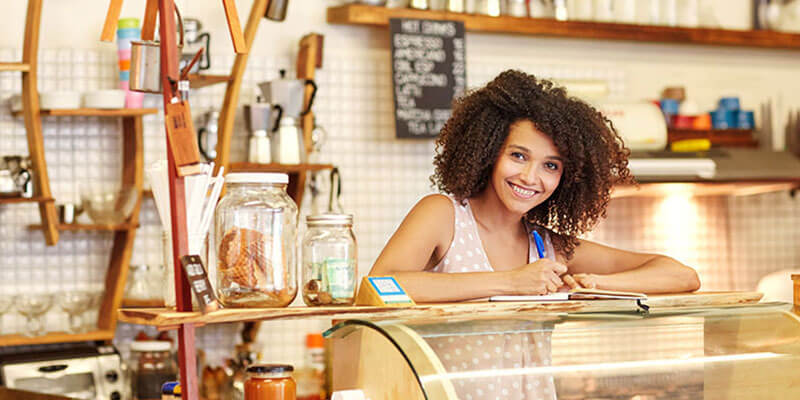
{"x": 269, "y": 368}
{"x": 329, "y": 219}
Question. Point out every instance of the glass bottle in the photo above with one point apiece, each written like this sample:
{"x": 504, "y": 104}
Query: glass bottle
{"x": 151, "y": 365}
{"x": 329, "y": 260}
{"x": 255, "y": 240}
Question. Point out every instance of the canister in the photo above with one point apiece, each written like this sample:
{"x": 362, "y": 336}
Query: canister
{"x": 330, "y": 257}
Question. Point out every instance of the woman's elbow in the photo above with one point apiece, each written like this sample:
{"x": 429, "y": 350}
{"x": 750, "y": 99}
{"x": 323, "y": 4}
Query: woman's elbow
{"x": 692, "y": 280}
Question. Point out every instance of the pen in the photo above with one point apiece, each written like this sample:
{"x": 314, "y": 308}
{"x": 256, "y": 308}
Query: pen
{"x": 539, "y": 243}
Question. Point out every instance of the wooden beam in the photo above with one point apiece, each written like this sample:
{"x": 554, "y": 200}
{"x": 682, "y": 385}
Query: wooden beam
{"x": 110, "y": 24}
{"x": 234, "y": 27}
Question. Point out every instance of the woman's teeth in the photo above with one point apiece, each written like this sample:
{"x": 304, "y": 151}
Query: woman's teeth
{"x": 522, "y": 192}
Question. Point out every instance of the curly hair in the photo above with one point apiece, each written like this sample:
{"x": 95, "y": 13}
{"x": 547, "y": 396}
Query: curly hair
{"x": 595, "y": 157}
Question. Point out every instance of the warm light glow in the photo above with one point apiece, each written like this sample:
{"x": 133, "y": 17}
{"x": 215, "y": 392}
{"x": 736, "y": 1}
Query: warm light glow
{"x": 677, "y": 219}
{"x": 639, "y": 366}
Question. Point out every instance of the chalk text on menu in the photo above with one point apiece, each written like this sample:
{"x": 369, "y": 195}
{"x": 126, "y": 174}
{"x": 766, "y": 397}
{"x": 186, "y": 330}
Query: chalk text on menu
{"x": 429, "y": 71}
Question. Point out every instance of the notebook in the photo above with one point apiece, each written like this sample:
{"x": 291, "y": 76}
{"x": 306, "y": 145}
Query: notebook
{"x": 576, "y": 294}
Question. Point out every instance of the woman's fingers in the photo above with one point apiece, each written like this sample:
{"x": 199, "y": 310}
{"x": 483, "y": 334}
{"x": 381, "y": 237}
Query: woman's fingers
{"x": 586, "y": 280}
{"x": 570, "y": 281}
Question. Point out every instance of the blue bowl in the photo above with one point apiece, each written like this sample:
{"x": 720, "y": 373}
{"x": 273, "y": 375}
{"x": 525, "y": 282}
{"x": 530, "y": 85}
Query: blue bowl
{"x": 729, "y": 103}
{"x": 745, "y": 120}
{"x": 723, "y": 119}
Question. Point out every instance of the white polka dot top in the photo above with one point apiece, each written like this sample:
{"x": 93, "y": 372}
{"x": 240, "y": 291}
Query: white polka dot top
{"x": 488, "y": 344}
{"x": 466, "y": 252}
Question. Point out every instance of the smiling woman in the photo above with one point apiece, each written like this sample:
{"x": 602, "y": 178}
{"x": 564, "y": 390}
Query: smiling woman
{"x": 520, "y": 155}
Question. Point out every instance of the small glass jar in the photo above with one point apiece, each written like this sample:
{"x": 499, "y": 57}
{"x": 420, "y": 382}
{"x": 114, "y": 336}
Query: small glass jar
{"x": 151, "y": 364}
{"x": 256, "y": 241}
{"x": 329, "y": 260}
{"x": 270, "y": 382}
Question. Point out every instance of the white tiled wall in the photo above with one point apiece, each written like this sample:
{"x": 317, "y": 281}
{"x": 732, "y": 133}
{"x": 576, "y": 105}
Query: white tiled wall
{"x": 731, "y": 241}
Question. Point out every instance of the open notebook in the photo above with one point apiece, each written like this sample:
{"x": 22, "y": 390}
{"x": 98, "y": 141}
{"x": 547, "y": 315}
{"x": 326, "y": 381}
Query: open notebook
{"x": 576, "y": 294}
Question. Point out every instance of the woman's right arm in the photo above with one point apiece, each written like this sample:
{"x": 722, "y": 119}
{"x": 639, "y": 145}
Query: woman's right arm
{"x": 422, "y": 240}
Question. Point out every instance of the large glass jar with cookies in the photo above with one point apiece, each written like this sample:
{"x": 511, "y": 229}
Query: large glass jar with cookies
{"x": 255, "y": 235}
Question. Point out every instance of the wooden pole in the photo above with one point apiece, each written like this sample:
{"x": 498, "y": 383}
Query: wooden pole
{"x": 169, "y": 79}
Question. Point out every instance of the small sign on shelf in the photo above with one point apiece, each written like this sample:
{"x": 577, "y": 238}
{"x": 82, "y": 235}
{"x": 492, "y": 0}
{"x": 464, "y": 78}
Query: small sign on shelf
{"x": 198, "y": 280}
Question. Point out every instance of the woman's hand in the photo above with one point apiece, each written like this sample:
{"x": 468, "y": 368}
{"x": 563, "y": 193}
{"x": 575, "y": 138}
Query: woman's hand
{"x": 539, "y": 277}
{"x": 588, "y": 281}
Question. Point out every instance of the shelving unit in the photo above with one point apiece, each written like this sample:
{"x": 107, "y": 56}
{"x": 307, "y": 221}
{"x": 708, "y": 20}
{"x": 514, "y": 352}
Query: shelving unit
{"x": 15, "y": 200}
{"x": 95, "y": 112}
{"x": 360, "y": 14}
{"x": 197, "y": 81}
{"x": 33, "y": 124}
{"x": 738, "y": 188}
{"x": 56, "y": 337}
{"x": 89, "y": 227}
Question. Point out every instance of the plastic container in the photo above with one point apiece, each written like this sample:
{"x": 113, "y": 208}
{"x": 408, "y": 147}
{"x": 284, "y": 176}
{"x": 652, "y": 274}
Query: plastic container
{"x": 329, "y": 260}
{"x": 256, "y": 241}
{"x": 270, "y": 382}
{"x": 151, "y": 364}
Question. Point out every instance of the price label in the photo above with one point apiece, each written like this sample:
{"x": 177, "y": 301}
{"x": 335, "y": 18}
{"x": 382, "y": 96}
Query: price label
{"x": 198, "y": 279}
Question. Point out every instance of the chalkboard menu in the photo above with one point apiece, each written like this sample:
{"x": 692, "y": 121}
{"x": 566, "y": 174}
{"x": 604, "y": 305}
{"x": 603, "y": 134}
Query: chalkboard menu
{"x": 428, "y": 71}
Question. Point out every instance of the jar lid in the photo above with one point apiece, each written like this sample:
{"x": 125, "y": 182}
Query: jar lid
{"x": 257, "y": 177}
{"x": 330, "y": 219}
{"x": 269, "y": 368}
{"x": 150, "y": 345}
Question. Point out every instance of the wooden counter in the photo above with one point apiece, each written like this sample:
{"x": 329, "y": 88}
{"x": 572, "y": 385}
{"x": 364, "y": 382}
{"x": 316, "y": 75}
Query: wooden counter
{"x": 167, "y": 318}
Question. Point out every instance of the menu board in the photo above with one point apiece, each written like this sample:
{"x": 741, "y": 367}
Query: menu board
{"x": 428, "y": 72}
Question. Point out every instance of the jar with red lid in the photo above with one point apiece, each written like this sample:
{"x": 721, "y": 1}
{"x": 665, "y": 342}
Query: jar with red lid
{"x": 270, "y": 382}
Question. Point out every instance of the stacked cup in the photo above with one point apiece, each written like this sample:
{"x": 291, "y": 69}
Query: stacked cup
{"x": 127, "y": 30}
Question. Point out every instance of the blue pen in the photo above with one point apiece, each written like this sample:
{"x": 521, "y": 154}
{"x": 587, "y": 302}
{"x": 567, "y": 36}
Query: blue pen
{"x": 539, "y": 243}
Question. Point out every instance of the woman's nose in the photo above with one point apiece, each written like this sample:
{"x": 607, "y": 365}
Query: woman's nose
{"x": 530, "y": 174}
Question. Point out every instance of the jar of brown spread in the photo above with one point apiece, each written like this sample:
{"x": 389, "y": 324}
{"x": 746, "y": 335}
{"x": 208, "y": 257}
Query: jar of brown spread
{"x": 270, "y": 382}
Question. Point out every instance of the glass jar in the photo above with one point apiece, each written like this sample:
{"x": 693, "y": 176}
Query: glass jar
{"x": 256, "y": 241}
{"x": 151, "y": 364}
{"x": 270, "y": 382}
{"x": 329, "y": 260}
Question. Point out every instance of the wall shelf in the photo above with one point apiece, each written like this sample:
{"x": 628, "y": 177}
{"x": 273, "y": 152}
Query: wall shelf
{"x": 197, "y": 81}
{"x": 56, "y": 337}
{"x": 738, "y": 188}
{"x": 15, "y": 66}
{"x": 15, "y": 200}
{"x": 359, "y": 14}
{"x": 89, "y": 227}
{"x": 274, "y": 167}
{"x": 95, "y": 112}
{"x": 170, "y": 318}
{"x": 718, "y": 137}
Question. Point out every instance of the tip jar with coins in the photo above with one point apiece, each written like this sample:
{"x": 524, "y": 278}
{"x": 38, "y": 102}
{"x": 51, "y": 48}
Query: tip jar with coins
{"x": 255, "y": 235}
{"x": 329, "y": 260}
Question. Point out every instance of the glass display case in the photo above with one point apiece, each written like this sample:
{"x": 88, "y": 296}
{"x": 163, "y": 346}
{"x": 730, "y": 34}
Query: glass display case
{"x": 742, "y": 352}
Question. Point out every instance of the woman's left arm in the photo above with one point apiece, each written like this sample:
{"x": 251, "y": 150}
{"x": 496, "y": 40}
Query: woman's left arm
{"x": 603, "y": 267}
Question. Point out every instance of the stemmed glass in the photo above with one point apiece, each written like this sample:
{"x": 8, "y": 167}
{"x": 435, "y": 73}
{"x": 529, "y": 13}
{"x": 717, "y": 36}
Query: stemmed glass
{"x": 33, "y": 307}
{"x": 74, "y": 303}
{"x": 92, "y": 309}
{"x": 5, "y": 304}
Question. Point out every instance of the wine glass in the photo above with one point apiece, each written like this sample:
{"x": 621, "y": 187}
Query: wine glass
{"x": 74, "y": 303}
{"x": 6, "y": 302}
{"x": 92, "y": 309}
{"x": 33, "y": 307}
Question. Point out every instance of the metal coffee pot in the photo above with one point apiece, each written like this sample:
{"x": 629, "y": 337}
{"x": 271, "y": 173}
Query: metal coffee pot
{"x": 20, "y": 173}
{"x": 289, "y": 94}
{"x": 195, "y": 40}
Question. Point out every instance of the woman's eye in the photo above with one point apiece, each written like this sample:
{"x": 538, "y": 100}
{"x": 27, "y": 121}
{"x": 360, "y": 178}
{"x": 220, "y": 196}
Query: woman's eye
{"x": 518, "y": 155}
{"x": 552, "y": 166}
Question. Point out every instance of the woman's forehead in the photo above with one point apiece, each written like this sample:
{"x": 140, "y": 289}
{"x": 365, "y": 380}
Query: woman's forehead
{"x": 524, "y": 134}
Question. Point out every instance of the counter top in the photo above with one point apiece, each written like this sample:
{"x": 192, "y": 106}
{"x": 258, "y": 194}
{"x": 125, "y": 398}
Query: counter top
{"x": 166, "y": 318}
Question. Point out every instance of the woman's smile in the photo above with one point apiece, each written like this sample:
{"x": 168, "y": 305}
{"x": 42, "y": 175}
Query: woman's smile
{"x": 523, "y": 192}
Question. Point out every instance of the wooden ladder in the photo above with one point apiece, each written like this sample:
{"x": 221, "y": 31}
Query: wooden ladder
{"x": 33, "y": 123}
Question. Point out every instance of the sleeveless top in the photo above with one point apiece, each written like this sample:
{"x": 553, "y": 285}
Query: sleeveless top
{"x": 488, "y": 344}
{"x": 466, "y": 253}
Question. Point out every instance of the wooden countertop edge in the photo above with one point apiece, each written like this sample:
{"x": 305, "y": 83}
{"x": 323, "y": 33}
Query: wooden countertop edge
{"x": 166, "y": 318}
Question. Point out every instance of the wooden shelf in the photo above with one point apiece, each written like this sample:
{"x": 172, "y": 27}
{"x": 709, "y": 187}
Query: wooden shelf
{"x": 88, "y": 227}
{"x": 15, "y": 200}
{"x": 131, "y": 303}
{"x": 739, "y": 188}
{"x": 169, "y": 318}
{"x": 55, "y": 337}
{"x": 14, "y": 66}
{"x": 285, "y": 168}
{"x": 718, "y": 137}
{"x": 95, "y": 112}
{"x": 197, "y": 81}
{"x": 359, "y": 14}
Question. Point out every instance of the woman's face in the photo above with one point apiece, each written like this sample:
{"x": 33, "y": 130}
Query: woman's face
{"x": 528, "y": 169}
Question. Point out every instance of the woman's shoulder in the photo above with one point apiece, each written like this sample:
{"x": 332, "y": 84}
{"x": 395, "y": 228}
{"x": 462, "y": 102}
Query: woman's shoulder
{"x": 435, "y": 206}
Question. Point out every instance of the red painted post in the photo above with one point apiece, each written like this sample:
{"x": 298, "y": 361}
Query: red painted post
{"x": 169, "y": 79}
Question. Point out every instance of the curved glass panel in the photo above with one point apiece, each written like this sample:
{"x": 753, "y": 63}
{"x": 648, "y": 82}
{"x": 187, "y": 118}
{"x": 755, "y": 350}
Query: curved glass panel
{"x": 736, "y": 352}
